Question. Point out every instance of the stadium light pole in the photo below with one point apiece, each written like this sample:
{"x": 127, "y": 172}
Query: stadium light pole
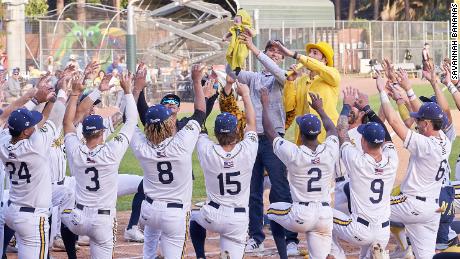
{"x": 131, "y": 39}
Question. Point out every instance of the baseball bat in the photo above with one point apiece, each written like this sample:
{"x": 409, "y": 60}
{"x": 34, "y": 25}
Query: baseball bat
{"x": 297, "y": 67}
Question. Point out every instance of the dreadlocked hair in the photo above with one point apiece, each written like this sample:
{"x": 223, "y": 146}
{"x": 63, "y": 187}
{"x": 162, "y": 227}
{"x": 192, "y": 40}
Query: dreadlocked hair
{"x": 158, "y": 132}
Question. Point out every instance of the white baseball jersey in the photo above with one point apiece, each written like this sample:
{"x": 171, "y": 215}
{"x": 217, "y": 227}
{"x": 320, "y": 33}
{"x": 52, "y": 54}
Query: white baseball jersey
{"x": 228, "y": 174}
{"x": 27, "y": 163}
{"x": 309, "y": 171}
{"x": 96, "y": 170}
{"x": 371, "y": 182}
{"x": 429, "y": 161}
{"x": 57, "y": 158}
{"x": 168, "y": 166}
{"x": 451, "y": 135}
{"x": 355, "y": 139}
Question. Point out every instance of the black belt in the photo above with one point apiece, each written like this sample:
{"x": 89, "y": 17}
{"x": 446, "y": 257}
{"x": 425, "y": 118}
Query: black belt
{"x": 325, "y": 204}
{"x": 60, "y": 182}
{"x": 169, "y": 205}
{"x": 217, "y": 206}
{"x": 23, "y": 209}
{"x": 420, "y": 198}
{"x": 340, "y": 179}
{"x": 102, "y": 212}
{"x": 366, "y": 223}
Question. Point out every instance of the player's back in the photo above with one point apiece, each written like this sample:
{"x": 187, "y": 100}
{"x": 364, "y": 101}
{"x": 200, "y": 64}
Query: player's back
{"x": 309, "y": 171}
{"x": 168, "y": 166}
{"x": 428, "y": 162}
{"x": 96, "y": 170}
{"x": 228, "y": 174}
{"x": 27, "y": 163}
{"x": 371, "y": 182}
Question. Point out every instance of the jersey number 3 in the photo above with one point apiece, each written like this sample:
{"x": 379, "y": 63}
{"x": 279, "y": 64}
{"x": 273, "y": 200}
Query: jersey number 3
{"x": 95, "y": 179}
{"x": 23, "y": 172}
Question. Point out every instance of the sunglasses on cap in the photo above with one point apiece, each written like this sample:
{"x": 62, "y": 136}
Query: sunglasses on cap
{"x": 170, "y": 101}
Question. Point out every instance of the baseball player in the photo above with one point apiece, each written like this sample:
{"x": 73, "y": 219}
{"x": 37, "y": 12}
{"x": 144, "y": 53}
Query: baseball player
{"x": 372, "y": 173}
{"x": 165, "y": 155}
{"x": 4, "y": 114}
{"x": 417, "y": 205}
{"x": 95, "y": 167}
{"x": 227, "y": 168}
{"x": 24, "y": 151}
{"x": 310, "y": 170}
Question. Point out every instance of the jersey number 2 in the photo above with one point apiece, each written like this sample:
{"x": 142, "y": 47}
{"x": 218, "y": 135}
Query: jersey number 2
{"x": 314, "y": 179}
{"x": 23, "y": 172}
{"x": 95, "y": 179}
{"x": 228, "y": 181}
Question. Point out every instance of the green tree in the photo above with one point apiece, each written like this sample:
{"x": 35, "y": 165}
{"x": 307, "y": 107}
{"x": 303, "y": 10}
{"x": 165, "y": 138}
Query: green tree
{"x": 36, "y": 8}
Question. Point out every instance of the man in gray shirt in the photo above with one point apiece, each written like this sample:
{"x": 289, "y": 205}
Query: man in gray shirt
{"x": 14, "y": 85}
{"x": 271, "y": 77}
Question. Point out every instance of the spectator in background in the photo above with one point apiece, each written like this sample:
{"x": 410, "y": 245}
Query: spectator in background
{"x": 50, "y": 64}
{"x": 426, "y": 56}
{"x": 34, "y": 73}
{"x": 4, "y": 60}
{"x": 98, "y": 79}
{"x": 13, "y": 86}
{"x": 116, "y": 92}
{"x": 114, "y": 65}
{"x": 122, "y": 66}
{"x": 73, "y": 60}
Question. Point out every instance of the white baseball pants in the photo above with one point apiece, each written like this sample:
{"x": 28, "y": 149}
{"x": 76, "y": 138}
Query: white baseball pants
{"x": 312, "y": 218}
{"x": 171, "y": 221}
{"x": 359, "y": 232}
{"x": 31, "y": 226}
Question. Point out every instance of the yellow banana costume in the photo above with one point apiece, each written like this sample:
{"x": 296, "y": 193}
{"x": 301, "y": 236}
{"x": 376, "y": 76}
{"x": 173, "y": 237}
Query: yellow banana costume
{"x": 237, "y": 52}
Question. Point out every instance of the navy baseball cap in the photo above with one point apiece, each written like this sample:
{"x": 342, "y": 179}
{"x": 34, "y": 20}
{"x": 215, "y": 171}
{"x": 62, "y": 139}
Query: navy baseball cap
{"x": 92, "y": 123}
{"x": 170, "y": 99}
{"x": 225, "y": 123}
{"x": 428, "y": 111}
{"x": 428, "y": 99}
{"x": 156, "y": 114}
{"x": 309, "y": 124}
{"x": 83, "y": 96}
{"x": 372, "y": 132}
{"x": 22, "y": 119}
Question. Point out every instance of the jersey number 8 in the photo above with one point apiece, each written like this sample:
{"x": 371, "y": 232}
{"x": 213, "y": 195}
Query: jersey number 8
{"x": 165, "y": 175}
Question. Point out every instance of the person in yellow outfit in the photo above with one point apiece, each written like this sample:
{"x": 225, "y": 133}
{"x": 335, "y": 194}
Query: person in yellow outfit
{"x": 237, "y": 51}
{"x": 323, "y": 79}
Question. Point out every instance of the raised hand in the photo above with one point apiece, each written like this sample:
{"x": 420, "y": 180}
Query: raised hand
{"x": 104, "y": 85}
{"x": 389, "y": 70}
{"x": 125, "y": 82}
{"x": 208, "y": 88}
{"x": 362, "y": 101}
{"x": 77, "y": 84}
{"x": 403, "y": 79}
{"x": 90, "y": 69}
{"x": 316, "y": 102}
{"x": 246, "y": 39}
{"x": 264, "y": 96}
{"x": 197, "y": 72}
{"x": 292, "y": 73}
{"x": 349, "y": 96}
{"x": 283, "y": 49}
{"x": 430, "y": 73}
{"x": 446, "y": 69}
{"x": 380, "y": 82}
{"x": 140, "y": 81}
{"x": 242, "y": 89}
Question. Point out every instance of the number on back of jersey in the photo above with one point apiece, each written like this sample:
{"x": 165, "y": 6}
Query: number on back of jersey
{"x": 165, "y": 175}
{"x": 227, "y": 185}
{"x": 20, "y": 168}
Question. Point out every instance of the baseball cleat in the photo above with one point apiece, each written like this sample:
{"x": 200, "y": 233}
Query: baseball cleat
{"x": 292, "y": 249}
{"x": 134, "y": 235}
{"x": 224, "y": 255}
{"x": 58, "y": 244}
{"x": 83, "y": 240}
{"x": 378, "y": 252}
{"x": 253, "y": 247}
{"x": 402, "y": 254}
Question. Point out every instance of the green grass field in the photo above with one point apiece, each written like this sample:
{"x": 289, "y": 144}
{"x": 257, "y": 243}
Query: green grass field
{"x": 131, "y": 165}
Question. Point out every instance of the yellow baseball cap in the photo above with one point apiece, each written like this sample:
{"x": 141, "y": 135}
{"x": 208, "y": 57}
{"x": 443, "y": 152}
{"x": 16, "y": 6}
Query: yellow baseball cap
{"x": 325, "y": 48}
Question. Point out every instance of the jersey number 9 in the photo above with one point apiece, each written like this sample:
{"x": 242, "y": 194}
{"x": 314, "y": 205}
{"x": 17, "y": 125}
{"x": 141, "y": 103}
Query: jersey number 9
{"x": 377, "y": 187}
